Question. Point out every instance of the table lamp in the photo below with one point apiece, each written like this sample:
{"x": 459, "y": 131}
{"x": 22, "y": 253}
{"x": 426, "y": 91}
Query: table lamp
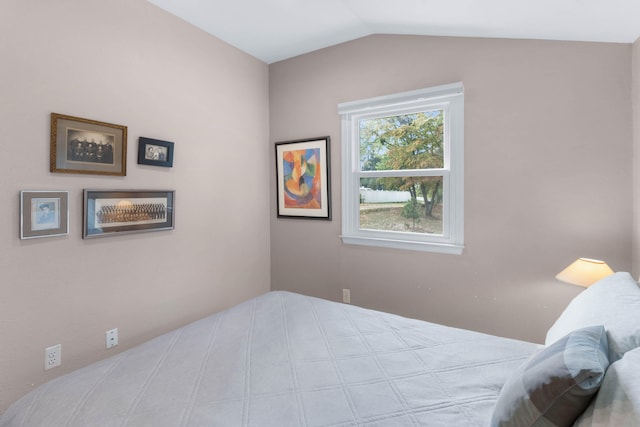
{"x": 585, "y": 272}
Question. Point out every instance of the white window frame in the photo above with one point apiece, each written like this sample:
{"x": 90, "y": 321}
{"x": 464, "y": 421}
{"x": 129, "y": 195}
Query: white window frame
{"x": 448, "y": 97}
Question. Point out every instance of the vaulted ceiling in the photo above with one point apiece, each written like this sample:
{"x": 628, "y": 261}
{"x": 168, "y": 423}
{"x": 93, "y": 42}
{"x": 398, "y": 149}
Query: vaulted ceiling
{"x": 273, "y": 30}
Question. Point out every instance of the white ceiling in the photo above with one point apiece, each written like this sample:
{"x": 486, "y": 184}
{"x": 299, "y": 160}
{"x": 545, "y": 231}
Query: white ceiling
{"x": 273, "y": 30}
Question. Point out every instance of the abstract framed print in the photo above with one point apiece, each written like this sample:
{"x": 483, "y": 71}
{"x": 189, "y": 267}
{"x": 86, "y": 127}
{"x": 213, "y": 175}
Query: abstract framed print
{"x": 303, "y": 180}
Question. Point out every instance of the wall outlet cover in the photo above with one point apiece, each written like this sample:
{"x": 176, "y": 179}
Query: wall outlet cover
{"x": 112, "y": 338}
{"x": 52, "y": 356}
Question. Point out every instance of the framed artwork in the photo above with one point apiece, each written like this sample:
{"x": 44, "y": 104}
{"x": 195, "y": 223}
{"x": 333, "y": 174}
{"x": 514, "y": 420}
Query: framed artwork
{"x": 87, "y": 146}
{"x": 303, "y": 180}
{"x": 44, "y": 214}
{"x": 114, "y": 212}
{"x": 155, "y": 152}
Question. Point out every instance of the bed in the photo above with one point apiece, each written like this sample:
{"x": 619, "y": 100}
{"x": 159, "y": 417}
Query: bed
{"x": 284, "y": 359}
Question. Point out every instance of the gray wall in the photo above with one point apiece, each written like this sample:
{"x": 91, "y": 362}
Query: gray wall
{"x": 548, "y": 176}
{"x": 636, "y": 157}
{"x": 126, "y": 62}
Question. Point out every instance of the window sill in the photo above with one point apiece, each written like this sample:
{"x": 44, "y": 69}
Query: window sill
{"x": 443, "y": 248}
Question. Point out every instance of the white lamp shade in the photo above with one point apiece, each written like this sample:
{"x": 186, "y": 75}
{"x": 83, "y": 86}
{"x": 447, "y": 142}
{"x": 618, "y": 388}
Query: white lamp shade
{"x": 585, "y": 272}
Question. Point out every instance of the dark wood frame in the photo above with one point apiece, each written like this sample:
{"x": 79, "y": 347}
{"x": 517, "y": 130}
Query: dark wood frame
{"x": 116, "y": 212}
{"x": 322, "y": 162}
{"x": 63, "y": 157}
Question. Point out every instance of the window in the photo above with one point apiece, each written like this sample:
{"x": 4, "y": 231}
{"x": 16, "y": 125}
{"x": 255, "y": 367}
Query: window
{"x": 402, "y": 170}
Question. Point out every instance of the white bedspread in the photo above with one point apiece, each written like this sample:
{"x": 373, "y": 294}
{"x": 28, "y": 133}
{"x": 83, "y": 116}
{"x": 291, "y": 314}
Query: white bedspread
{"x": 284, "y": 359}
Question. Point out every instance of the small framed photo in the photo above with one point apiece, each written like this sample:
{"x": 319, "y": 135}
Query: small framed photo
{"x": 87, "y": 146}
{"x": 115, "y": 212}
{"x": 155, "y": 152}
{"x": 303, "y": 180}
{"x": 44, "y": 214}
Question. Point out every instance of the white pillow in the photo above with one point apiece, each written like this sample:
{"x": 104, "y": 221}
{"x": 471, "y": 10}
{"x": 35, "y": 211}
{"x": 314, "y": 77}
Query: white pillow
{"x": 618, "y": 401}
{"x": 613, "y": 302}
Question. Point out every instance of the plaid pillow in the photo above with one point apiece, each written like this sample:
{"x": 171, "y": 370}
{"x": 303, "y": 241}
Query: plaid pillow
{"x": 556, "y": 384}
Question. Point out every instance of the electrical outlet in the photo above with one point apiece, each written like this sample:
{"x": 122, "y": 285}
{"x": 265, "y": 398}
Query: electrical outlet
{"x": 346, "y": 296}
{"x": 52, "y": 356}
{"x": 112, "y": 338}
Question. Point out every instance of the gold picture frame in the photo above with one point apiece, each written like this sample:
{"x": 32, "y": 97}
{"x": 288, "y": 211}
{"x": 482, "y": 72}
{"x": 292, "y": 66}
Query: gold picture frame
{"x": 87, "y": 146}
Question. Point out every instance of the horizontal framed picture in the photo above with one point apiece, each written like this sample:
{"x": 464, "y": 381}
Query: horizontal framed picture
{"x": 44, "y": 214}
{"x": 87, "y": 146}
{"x": 115, "y": 212}
{"x": 155, "y": 152}
{"x": 303, "y": 180}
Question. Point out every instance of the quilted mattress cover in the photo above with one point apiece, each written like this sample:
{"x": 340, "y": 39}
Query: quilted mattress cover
{"x": 284, "y": 359}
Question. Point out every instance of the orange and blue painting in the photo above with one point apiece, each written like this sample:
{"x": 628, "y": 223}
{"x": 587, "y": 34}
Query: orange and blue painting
{"x": 301, "y": 170}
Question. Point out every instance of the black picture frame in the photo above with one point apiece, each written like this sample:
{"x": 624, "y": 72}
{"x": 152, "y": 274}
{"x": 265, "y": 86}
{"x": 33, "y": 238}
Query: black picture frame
{"x": 117, "y": 212}
{"x": 155, "y": 152}
{"x": 305, "y": 194}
